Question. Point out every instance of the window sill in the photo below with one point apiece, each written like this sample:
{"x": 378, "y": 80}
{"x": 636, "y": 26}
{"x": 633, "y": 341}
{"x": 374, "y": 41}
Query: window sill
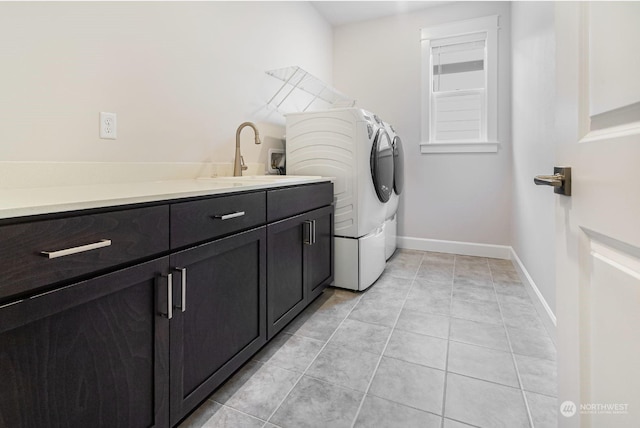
{"x": 459, "y": 147}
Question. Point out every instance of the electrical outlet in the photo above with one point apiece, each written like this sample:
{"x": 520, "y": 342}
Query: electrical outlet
{"x": 108, "y": 126}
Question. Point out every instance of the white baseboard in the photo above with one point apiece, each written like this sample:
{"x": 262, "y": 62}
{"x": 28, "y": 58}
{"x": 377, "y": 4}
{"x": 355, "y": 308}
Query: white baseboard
{"x": 541, "y": 304}
{"x": 456, "y": 247}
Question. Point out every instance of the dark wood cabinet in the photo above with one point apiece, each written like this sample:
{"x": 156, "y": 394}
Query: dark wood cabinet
{"x": 300, "y": 264}
{"x": 223, "y": 322}
{"x": 94, "y": 353}
{"x": 139, "y": 332}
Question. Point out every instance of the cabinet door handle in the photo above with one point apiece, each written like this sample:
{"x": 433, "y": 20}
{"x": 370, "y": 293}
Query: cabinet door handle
{"x": 183, "y": 286}
{"x": 308, "y": 232}
{"x": 75, "y": 250}
{"x": 229, "y": 216}
{"x": 313, "y": 236}
{"x": 169, "y": 313}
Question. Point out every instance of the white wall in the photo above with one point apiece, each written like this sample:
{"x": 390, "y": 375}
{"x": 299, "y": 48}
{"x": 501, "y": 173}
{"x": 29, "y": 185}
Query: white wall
{"x": 533, "y": 75}
{"x": 456, "y": 197}
{"x": 181, "y": 76}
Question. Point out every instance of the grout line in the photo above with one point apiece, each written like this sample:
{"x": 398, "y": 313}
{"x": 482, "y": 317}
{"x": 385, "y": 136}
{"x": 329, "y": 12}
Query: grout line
{"x": 416, "y": 364}
{"x": 235, "y": 410}
{"x": 404, "y": 405}
{"x": 513, "y": 357}
{"x": 475, "y": 344}
{"x": 271, "y": 423}
{"x": 375, "y": 371}
{"x": 446, "y": 361}
{"x": 461, "y": 422}
{"x": 312, "y": 361}
{"x": 486, "y": 381}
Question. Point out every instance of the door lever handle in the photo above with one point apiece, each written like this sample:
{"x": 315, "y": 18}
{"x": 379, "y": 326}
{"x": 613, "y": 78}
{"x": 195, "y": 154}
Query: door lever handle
{"x": 549, "y": 180}
{"x": 560, "y": 180}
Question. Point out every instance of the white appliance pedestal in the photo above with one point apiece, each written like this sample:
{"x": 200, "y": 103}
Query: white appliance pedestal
{"x": 359, "y": 262}
{"x": 391, "y": 236}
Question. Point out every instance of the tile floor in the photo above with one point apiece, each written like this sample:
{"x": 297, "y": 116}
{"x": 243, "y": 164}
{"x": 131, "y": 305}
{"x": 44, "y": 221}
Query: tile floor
{"x": 438, "y": 341}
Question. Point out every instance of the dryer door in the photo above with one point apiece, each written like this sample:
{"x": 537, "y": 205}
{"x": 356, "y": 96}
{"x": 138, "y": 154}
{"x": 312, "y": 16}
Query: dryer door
{"x": 382, "y": 165}
{"x": 398, "y": 165}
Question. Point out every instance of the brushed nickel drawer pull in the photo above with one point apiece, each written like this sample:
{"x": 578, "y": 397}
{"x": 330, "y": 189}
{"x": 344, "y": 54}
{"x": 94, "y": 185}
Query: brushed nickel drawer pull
{"x": 183, "y": 288}
{"x": 229, "y": 216}
{"x": 75, "y": 250}
{"x": 308, "y": 232}
{"x": 313, "y": 236}
{"x": 169, "y": 313}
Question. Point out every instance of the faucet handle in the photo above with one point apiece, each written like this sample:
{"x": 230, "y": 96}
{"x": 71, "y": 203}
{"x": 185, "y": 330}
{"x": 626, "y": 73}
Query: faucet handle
{"x": 242, "y": 164}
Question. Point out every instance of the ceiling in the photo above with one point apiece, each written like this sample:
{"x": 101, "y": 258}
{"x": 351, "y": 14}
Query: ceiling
{"x": 346, "y": 12}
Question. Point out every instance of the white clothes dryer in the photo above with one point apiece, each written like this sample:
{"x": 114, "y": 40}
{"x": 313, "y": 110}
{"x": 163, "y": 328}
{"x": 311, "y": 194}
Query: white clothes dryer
{"x": 353, "y": 146}
{"x": 391, "y": 217}
{"x": 398, "y": 171}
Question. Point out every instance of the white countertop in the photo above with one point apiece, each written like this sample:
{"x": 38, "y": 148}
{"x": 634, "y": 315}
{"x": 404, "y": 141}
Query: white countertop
{"x": 46, "y": 200}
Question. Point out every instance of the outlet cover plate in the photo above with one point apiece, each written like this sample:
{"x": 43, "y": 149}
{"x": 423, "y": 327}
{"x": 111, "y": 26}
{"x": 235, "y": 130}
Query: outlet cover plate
{"x": 108, "y": 126}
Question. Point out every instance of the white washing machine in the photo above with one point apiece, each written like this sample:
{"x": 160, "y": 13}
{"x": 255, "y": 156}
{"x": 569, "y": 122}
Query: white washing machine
{"x": 391, "y": 217}
{"x": 353, "y": 146}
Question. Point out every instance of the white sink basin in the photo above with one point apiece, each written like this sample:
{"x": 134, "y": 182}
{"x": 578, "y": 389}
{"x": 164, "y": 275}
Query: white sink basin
{"x": 261, "y": 179}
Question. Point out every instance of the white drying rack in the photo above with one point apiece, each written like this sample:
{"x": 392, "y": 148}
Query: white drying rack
{"x": 295, "y": 77}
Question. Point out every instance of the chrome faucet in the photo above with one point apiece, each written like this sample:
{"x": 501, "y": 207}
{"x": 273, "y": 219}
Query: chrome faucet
{"x": 238, "y": 164}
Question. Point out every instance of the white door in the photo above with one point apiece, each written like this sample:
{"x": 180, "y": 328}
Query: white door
{"x": 598, "y": 227}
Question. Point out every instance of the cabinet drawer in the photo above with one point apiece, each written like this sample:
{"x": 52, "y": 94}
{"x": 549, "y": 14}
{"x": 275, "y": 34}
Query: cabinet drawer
{"x": 133, "y": 234}
{"x": 287, "y": 202}
{"x": 198, "y": 221}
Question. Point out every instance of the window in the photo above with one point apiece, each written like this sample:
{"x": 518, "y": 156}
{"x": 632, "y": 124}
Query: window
{"x": 459, "y": 87}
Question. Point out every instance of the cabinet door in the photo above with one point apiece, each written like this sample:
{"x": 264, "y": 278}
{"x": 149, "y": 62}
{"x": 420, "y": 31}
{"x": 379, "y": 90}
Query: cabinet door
{"x": 287, "y": 294}
{"x": 93, "y": 354}
{"x": 300, "y": 264}
{"x": 319, "y": 252}
{"x": 221, "y": 322}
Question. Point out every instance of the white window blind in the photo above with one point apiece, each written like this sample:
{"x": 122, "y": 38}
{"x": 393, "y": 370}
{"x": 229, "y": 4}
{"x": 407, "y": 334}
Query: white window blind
{"x": 458, "y": 66}
{"x": 458, "y": 88}
{"x": 458, "y": 116}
